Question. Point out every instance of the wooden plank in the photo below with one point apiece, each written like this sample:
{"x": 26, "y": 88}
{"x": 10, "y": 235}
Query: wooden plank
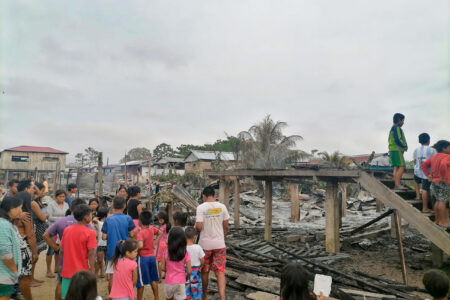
{"x": 398, "y": 230}
{"x": 295, "y": 202}
{"x": 413, "y": 216}
{"x": 266, "y": 284}
{"x": 323, "y": 173}
{"x": 237, "y": 203}
{"x": 368, "y": 294}
{"x": 332, "y": 218}
{"x": 262, "y": 296}
{"x": 268, "y": 211}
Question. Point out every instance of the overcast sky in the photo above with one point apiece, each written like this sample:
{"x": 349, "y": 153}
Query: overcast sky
{"x": 121, "y": 74}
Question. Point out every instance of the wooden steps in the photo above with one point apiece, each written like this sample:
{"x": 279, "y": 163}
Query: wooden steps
{"x": 413, "y": 216}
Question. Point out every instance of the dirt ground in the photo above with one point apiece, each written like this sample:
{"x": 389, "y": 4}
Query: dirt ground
{"x": 47, "y": 290}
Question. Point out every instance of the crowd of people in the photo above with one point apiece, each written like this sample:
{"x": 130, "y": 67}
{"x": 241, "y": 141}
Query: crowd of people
{"x": 133, "y": 248}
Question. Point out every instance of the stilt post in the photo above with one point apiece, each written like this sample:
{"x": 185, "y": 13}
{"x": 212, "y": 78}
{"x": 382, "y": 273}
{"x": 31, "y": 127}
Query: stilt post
{"x": 332, "y": 243}
{"x": 295, "y": 202}
{"x": 398, "y": 227}
{"x": 222, "y": 188}
{"x": 237, "y": 203}
{"x": 268, "y": 211}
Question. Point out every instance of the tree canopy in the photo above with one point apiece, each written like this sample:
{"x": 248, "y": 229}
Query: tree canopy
{"x": 163, "y": 150}
{"x": 138, "y": 153}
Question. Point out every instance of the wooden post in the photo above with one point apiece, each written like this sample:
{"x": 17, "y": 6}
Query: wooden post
{"x": 100, "y": 176}
{"x": 295, "y": 202}
{"x": 393, "y": 227}
{"x": 343, "y": 187}
{"x": 222, "y": 188}
{"x": 332, "y": 243}
{"x": 226, "y": 199}
{"x": 170, "y": 211}
{"x": 438, "y": 257}
{"x": 237, "y": 203}
{"x": 268, "y": 211}
{"x": 398, "y": 226}
{"x": 380, "y": 205}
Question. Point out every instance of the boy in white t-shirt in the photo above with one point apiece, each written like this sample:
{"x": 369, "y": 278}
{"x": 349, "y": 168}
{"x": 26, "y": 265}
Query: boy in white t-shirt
{"x": 194, "y": 288}
{"x": 212, "y": 223}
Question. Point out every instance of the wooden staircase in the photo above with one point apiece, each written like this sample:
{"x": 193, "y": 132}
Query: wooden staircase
{"x": 410, "y": 210}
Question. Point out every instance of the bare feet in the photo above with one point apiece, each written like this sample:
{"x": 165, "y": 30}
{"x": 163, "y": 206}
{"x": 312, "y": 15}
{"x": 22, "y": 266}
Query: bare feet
{"x": 50, "y": 275}
{"x": 35, "y": 283}
{"x": 38, "y": 280}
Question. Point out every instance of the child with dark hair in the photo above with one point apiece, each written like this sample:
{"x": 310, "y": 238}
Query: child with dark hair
{"x": 437, "y": 284}
{"x": 194, "y": 289}
{"x": 176, "y": 261}
{"x": 440, "y": 181}
{"x": 164, "y": 226}
{"x": 71, "y": 189}
{"x": 421, "y": 154}
{"x": 77, "y": 247}
{"x": 180, "y": 219}
{"x": 147, "y": 269}
{"x": 397, "y": 146}
{"x": 102, "y": 213}
{"x": 125, "y": 270}
{"x": 94, "y": 205}
{"x": 294, "y": 284}
{"x": 83, "y": 286}
{"x": 115, "y": 228}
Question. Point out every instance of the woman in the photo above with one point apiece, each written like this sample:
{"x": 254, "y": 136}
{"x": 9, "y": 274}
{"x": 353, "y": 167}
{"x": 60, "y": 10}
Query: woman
{"x": 28, "y": 247}
{"x": 56, "y": 209}
{"x": 10, "y": 209}
{"x": 93, "y": 205}
{"x": 40, "y": 217}
{"x": 122, "y": 192}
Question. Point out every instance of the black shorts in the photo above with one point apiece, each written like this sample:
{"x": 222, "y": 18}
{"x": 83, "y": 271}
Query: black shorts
{"x": 426, "y": 185}
{"x": 417, "y": 179}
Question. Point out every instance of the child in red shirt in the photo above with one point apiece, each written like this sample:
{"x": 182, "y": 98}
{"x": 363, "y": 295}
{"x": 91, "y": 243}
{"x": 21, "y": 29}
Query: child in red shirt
{"x": 147, "y": 270}
{"x": 439, "y": 177}
{"x": 77, "y": 247}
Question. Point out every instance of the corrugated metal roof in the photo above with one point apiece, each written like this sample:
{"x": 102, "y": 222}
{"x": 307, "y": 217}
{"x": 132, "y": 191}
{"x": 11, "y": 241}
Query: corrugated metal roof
{"x": 211, "y": 155}
{"x": 35, "y": 150}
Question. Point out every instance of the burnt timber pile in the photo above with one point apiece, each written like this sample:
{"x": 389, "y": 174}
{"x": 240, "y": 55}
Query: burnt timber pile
{"x": 257, "y": 254}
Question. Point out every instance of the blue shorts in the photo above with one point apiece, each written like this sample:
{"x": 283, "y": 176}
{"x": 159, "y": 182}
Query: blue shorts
{"x": 147, "y": 270}
{"x": 194, "y": 289}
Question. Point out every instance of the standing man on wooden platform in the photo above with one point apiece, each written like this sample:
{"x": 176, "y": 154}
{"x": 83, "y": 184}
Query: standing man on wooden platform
{"x": 212, "y": 223}
{"x": 397, "y": 146}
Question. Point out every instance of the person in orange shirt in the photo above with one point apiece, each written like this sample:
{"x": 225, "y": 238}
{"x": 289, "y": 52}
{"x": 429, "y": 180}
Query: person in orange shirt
{"x": 437, "y": 172}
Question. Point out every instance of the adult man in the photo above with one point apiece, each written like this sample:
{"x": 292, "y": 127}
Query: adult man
{"x": 71, "y": 189}
{"x": 212, "y": 223}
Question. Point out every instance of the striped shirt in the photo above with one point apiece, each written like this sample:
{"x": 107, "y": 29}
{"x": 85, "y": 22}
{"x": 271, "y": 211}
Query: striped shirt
{"x": 420, "y": 155}
{"x": 9, "y": 248}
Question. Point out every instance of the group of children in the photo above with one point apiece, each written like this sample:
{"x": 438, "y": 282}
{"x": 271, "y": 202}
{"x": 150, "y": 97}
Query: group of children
{"x": 132, "y": 253}
{"x": 431, "y": 169}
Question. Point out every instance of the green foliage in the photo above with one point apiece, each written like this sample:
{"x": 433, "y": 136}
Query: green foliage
{"x": 264, "y": 146}
{"x": 80, "y": 159}
{"x": 227, "y": 145}
{"x": 163, "y": 150}
{"x": 137, "y": 154}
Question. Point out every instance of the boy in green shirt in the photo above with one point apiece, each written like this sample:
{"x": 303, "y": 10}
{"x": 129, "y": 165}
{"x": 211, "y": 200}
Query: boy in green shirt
{"x": 397, "y": 145}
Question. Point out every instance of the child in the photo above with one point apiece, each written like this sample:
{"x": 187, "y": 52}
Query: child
{"x": 164, "y": 226}
{"x": 115, "y": 228}
{"x": 437, "y": 284}
{"x": 125, "y": 270}
{"x": 180, "y": 219}
{"x": 77, "y": 247}
{"x": 194, "y": 288}
{"x": 147, "y": 270}
{"x": 397, "y": 146}
{"x": 83, "y": 286}
{"x": 420, "y": 155}
{"x": 294, "y": 284}
{"x": 101, "y": 244}
{"x": 175, "y": 262}
{"x": 439, "y": 183}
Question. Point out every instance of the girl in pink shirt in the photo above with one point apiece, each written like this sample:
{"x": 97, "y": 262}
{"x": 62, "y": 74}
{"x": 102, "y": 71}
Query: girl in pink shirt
{"x": 125, "y": 270}
{"x": 175, "y": 262}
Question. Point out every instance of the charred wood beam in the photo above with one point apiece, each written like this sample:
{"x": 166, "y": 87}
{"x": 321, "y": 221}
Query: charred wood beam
{"x": 380, "y": 217}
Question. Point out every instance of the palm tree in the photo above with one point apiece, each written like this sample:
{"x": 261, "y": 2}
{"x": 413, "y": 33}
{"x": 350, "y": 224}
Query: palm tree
{"x": 335, "y": 159}
{"x": 264, "y": 146}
